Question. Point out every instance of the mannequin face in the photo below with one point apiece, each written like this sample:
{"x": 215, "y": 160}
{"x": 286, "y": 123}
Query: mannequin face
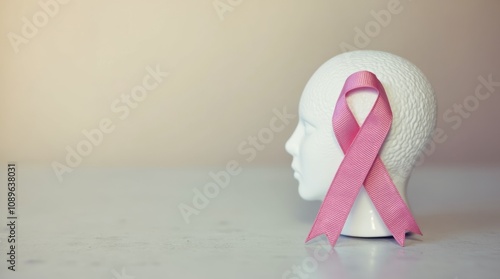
{"x": 311, "y": 165}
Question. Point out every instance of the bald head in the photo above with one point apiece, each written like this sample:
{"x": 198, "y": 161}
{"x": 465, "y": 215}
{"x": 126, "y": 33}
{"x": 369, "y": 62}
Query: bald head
{"x": 313, "y": 144}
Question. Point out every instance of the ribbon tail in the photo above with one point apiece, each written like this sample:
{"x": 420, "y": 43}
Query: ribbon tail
{"x": 315, "y": 232}
{"x": 400, "y": 236}
{"x": 335, "y": 207}
{"x": 399, "y": 232}
{"x": 400, "y": 224}
{"x": 325, "y": 224}
{"x": 389, "y": 203}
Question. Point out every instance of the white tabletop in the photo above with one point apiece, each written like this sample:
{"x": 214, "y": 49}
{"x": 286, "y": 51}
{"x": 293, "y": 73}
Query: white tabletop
{"x": 125, "y": 223}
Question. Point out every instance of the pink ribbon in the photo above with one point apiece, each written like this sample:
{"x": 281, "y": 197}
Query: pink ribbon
{"x": 362, "y": 166}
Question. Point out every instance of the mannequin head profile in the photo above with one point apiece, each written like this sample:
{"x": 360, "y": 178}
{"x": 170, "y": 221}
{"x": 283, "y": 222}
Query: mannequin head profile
{"x": 314, "y": 147}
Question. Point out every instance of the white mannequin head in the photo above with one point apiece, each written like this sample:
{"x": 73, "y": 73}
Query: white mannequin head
{"x": 315, "y": 150}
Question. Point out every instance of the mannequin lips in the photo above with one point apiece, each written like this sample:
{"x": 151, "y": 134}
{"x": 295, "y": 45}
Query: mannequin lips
{"x": 295, "y": 168}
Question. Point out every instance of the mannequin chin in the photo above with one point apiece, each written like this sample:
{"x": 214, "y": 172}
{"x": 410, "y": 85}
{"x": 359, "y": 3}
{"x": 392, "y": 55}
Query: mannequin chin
{"x": 316, "y": 152}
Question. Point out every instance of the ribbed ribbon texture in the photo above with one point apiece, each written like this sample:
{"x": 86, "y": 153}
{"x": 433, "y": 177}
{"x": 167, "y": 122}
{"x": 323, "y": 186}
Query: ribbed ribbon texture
{"x": 362, "y": 166}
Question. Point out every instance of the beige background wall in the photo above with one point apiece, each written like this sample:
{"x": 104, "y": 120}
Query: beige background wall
{"x": 225, "y": 76}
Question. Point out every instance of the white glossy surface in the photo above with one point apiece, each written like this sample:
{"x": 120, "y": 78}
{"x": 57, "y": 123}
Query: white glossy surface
{"x": 315, "y": 149}
{"x": 104, "y": 220}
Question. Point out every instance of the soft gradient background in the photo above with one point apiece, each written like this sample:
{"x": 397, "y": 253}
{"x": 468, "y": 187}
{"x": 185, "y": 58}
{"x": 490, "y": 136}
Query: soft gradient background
{"x": 226, "y": 76}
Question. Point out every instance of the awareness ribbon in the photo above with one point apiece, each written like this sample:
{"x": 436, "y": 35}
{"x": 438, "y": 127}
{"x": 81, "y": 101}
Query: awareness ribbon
{"x": 362, "y": 166}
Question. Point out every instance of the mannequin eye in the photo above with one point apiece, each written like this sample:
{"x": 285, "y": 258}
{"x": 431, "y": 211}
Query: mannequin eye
{"x": 308, "y": 127}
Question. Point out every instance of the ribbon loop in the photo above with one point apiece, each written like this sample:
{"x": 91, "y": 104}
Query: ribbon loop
{"x": 362, "y": 166}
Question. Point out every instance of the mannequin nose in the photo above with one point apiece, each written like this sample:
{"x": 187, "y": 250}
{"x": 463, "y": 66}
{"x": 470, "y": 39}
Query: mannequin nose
{"x": 292, "y": 144}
